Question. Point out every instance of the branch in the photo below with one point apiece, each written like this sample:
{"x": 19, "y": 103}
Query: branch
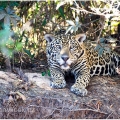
{"x": 96, "y": 11}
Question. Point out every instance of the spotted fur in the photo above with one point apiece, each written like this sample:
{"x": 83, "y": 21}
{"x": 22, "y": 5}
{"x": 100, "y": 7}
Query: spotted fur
{"x": 68, "y": 53}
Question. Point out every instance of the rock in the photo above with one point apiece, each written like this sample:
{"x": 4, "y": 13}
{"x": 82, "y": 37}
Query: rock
{"x": 42, "y": 82}
{"x": 102, "y": 101}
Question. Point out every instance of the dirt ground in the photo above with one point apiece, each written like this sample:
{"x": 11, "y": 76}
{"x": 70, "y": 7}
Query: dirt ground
{"x": 35, "y": 99}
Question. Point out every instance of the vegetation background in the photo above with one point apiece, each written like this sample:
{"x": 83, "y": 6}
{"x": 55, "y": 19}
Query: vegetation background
{"x": 23, "y": 25}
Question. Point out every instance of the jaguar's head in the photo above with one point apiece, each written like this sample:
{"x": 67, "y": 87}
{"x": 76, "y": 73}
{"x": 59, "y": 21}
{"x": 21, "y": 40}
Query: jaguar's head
{"x": 64, "y": 49}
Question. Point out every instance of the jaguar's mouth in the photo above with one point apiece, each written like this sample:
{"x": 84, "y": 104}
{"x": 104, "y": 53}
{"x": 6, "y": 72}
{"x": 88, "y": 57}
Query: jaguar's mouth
{"x": 65, "y": 66}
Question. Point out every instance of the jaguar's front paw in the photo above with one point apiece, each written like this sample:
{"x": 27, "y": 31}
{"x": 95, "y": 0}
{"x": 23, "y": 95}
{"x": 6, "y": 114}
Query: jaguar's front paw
{"x": 81, "y": 91}
{"x": 58, "y": 84}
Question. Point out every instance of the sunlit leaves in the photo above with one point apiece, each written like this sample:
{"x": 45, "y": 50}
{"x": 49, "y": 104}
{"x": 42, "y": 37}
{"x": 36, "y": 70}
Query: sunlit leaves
{"x": 108, "y": 9}
{"x": 73, "y": 25}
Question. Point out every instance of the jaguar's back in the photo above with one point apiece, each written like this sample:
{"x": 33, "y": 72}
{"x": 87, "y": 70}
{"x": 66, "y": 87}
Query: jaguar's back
{"x": 104, "y": 64}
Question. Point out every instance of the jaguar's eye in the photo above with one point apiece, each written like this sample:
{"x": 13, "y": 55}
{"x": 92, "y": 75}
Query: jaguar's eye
{"x": 71, "y": 48}
{"x": 58, "y": 47}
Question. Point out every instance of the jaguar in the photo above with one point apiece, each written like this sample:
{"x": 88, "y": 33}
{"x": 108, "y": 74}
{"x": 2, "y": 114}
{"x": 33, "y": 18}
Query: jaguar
{"x": 70, "y": 53}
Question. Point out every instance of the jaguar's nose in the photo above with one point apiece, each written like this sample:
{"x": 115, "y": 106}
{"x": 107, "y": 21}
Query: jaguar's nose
{"x": 65, "y": 57}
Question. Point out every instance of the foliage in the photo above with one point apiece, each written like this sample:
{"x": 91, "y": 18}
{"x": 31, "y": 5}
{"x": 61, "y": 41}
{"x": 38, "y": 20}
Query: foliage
{"x": 73, "y": 26}
{"x": 95, "y": 18}
{"x": 4, "y": 4}
{"x": 106, "y": 10}
{"x": 46, "y": 73}
{"x": 8, "y": 16}
{"x": 101, "y": 46}
{"x": 8, "y": 45}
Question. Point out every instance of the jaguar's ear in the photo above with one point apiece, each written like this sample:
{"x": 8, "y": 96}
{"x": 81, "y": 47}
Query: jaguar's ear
{"x": 49, "y": 37}
{"x": 80, "y": 37}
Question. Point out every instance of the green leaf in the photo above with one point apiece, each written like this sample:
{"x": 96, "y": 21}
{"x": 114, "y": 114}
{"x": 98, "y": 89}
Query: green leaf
{"x": 61, "y": 12}
{"x": 19, "y": 46}
{"x": 109, "y": 23}
{"x": 48, "y": 72}
{"x": 32, "y": 56}
{"x": 37, "y": 5}
{"x": 114, "y": 23}
{"x": 48, "y": 2}
{"x": 28, "y": 52}
{"x": 26, "y": 40}
{"x": 44, "y": 22}
{"x": 43, "y": 73}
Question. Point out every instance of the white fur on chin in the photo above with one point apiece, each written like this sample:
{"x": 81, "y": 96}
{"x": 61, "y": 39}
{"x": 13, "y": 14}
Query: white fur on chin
{"x": 65, "y": 68}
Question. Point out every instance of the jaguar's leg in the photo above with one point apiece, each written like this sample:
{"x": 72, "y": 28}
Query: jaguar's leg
{"x": 57, "y": 78}
{"x": 82, "y": 78}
